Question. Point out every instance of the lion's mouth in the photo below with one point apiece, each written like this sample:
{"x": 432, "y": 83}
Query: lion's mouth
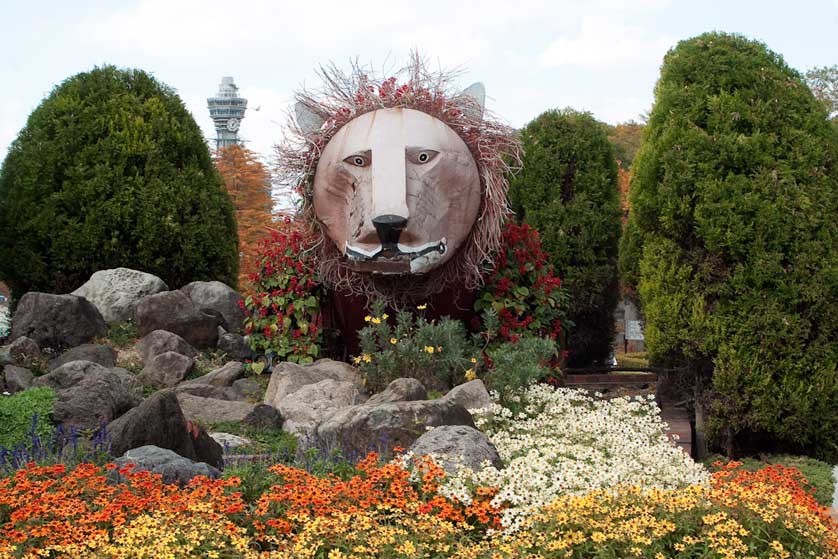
{"x": 397, "y": 258}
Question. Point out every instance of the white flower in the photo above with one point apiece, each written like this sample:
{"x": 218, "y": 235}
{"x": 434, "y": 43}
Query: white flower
{"x": 568, "y": 442}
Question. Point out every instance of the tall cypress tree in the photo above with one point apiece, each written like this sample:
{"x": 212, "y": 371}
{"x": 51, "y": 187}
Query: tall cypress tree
{"x": 734, "y": 232}
{"x": 568, "y": 191}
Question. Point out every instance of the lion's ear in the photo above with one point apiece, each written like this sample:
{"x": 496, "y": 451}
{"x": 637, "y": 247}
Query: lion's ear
{"x": 308, "y": 120}
{"x": 475, "y": 96}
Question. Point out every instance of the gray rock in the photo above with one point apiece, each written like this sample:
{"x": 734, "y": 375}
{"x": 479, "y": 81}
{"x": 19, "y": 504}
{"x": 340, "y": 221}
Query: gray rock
{"x": 457, "y": 446}
{"x": 88, "y": 394}
{"x": 209, "y": 411}
{"x": 400, "y": 390}
{"x": 471, "y": 395}
{"x": 173, "y": 467}
{"x": 159, "y": 421}
{"x": 287, "y": 378}
{"x": 379, "y": 427}
{"x": 210, "y": 391}
{"x": 116, "y": 292}
{"x": 17, "y": 379}
{"x": 160, "y": 341}
{"x": 57, "y": 321}
{"x": 25, "y": 352}
{"x": 249, "y": 389}
{"x": 225, "y": 375}
{"x": 166, "y": 369}
{"x": 235, "y": 346}
{"x": 218, "y": 297}
{"x": 175, "y": 312}
{"x": 263, "y": 416}
{"x": 228, "y": 440}
{"x": 96, "y": 353}
{"x": 306, "y": 408}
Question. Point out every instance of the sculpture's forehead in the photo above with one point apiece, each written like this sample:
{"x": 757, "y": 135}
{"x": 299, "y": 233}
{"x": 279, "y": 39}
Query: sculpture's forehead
{"x": 407, "y": 127}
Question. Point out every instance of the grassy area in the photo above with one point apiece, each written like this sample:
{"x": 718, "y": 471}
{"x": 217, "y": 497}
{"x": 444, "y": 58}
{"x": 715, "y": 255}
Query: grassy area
{"x": 817, "y": 473}
{"x": 639, "y": 359}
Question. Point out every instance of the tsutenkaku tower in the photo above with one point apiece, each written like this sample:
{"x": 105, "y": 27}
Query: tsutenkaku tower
{"x": 227, "y": 111}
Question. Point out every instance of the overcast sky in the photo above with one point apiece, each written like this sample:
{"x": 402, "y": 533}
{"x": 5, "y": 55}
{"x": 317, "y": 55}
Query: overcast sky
{"x": 597, "y": 55}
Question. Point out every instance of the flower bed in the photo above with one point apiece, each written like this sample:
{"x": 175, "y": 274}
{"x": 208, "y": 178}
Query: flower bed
{"x": 586, "y": 478}
{"x": 566, "y": 442}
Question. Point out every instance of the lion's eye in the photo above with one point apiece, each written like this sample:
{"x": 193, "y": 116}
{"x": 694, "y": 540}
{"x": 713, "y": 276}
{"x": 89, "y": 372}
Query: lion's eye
{"x": 358, "y": 160}
{"x": 420, "y": 157}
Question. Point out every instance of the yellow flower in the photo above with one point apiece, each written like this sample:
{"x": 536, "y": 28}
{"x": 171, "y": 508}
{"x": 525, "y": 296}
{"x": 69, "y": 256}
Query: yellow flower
{"x": 367, "y": 318}
{"x": 356, "y": 360}
{"x": 394, "y": 341}
{"x": 429, "y": 348}
{"x": 367, "y": 358}
{"x": 376, "y": 320}
{"x": 471, "y": 375}
{"x": 422, "y": 307}
{"x": 385, "y": 316}
{"x": 474, "y": 360}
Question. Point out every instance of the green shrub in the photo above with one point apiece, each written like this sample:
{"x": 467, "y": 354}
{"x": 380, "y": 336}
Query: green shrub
{"x": 16, "y": 416}
{"x": 733, "y": 205}
{"x": 515, "y": 365}
{"x": 568, "y": 191}
{"x": 112, "y": 170}
{"x": 435, "y": 353}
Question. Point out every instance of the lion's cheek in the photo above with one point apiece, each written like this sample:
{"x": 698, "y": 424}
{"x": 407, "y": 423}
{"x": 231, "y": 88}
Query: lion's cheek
{"x": 336, "y": 205}
{"x": 449, "y": 200}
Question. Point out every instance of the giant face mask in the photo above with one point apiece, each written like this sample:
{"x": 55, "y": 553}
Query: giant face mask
{"x": 397, "y": 191}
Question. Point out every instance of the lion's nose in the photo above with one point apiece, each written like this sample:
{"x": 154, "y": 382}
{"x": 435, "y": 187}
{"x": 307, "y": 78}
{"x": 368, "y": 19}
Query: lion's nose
{"x": 389, "y": 228}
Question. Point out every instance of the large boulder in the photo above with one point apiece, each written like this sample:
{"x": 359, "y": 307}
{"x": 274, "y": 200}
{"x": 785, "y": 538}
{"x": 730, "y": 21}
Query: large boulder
{"x": 471, "y": 395}
{"x": 218, "y": 297}
{"x": 116, "y": 292}
{"x": 24, "y": 352}
{"x": 96, "y": 353}
{"x": 173, "y": 467}
{"x": 159, "y": 421}
{"x": 175, "y": 312}
{"x": 210, "y": 411}
{"x": 400, "y": 390}
{"x": 160, "y": 341}
{"x": 457, "y": 446}
{"x": 305, "y": 408}
{"x": 287, "y": 377}
{"x": 17, "y": 379}
{"x": 88, "y": 394}
{"x": 217, "y": 384}
{"x": 57, "y": 321}
{"x": 249, "y": 389}
{"x": 166, "y": 369}
{"x": 357, "y": 430}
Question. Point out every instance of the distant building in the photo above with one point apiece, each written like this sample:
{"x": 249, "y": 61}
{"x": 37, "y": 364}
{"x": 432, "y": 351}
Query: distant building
{"x": 227, "y": 111}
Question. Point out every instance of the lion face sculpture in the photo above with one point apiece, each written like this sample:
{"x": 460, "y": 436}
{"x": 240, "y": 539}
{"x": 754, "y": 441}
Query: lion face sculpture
{"x": 397, "y": 191}
{"x": 403, "y": 182}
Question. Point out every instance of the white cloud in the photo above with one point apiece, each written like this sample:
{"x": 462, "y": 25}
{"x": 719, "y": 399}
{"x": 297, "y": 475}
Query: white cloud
{"x": 601, "y": 44}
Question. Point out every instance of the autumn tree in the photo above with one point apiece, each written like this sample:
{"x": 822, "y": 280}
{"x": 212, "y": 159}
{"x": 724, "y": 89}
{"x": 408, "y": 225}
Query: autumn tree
{"x": 625, "y": 138}
{"x": 249, "y": 187}
{"x": 824, "y": 84}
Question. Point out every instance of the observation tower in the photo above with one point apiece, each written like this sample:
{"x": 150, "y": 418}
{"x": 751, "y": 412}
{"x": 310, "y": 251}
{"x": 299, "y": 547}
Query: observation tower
{"x": 227, "y": 111}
